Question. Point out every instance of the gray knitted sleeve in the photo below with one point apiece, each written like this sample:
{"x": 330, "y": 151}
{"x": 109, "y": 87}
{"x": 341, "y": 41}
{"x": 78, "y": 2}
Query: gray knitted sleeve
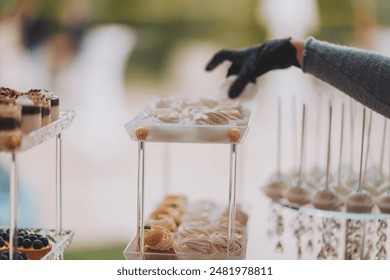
{"x": 363, "y": 75}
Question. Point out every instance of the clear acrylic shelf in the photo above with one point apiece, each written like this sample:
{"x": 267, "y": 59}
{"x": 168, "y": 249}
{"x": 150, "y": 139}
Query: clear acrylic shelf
{"x": 153, "y": 131}
{"x": 39, "y": 136}
{"x": 58, "y": 242}
{"x": 131, "y": 253}
{"x": 62, "y": 242}
{"x": 28, "y": 141}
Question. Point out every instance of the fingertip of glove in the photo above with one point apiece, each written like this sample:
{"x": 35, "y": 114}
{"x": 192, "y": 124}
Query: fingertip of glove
{"x": 209, "y": 67}
{"x": 233, "y": 93}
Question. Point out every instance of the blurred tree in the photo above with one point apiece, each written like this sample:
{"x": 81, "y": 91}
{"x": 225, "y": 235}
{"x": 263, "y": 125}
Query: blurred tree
{"x": 161, "y": 25}
{"x": 337, "y": 21}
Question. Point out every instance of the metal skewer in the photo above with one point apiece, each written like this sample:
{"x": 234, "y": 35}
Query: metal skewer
{"x": 329, "y": 146}
{"x": 302, "y": 154}
{"x": 341, "y": 145}
{"x": 361, "y": 152}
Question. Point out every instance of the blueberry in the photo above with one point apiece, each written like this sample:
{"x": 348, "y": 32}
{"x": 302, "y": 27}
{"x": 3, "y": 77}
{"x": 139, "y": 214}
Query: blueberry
{"x": 27, "y": 243}
{"x": 38, "y": 235}
{"x": 20, "y": 241}
{"x": 44, "y": 241}
{"x": 32, "y": 237}
{"x": 5, "y": 236}
{"x": 3, "y": 257}
{"x": 2, "y": 243}
{"x": 37, "y": 244}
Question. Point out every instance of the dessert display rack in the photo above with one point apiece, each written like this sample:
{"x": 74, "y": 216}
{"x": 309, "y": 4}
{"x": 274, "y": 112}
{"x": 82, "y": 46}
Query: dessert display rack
{"x": 62, "y": 238}
{"x": 351, "y": 214}
{"x": 142, "y": 131}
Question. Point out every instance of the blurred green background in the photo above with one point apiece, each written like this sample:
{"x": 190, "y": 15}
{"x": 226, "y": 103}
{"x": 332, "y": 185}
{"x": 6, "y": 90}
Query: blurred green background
{"x": 162, "y": 25}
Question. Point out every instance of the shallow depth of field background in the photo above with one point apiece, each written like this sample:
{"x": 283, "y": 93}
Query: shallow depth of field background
{"x": 108, "y": 59}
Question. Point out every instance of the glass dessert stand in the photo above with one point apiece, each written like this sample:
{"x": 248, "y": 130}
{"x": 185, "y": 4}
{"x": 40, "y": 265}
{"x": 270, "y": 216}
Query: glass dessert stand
{"x": 340, "y": 234}
{"x": 61, "y": 238}
{"x": 143, "y": 130}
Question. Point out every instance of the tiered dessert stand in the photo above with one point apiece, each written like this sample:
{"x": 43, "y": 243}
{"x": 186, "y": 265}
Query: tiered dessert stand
{"x": 143, "y": 132}
{"x": 61, "y": 237}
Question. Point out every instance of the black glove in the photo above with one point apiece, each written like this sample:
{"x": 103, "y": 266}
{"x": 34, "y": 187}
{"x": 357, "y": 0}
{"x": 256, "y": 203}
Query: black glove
{"x": 253, "y": 62}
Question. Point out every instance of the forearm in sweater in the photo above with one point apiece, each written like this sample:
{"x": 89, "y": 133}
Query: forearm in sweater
{"x": 363, "y": 75}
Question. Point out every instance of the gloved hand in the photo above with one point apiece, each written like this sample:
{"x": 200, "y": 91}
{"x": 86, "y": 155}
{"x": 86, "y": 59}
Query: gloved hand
{"x": 248, "y": 64}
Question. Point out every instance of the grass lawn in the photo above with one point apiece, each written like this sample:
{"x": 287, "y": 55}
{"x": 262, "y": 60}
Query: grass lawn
{"x": 99, "y": 252}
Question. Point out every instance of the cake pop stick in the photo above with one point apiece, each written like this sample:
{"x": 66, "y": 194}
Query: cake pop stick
{"x": 302, "y": 152}
{"x": 360, "y": 201}
{"x": 360, "y": 186}
{"x": 326, "y": 199}
{"x": 339, "y": 188}
{"x": 279, "y": 139}
{"x": 329, "y": 146}
{"x": 368, "y": 148}
{"x": 298, "y": 194}
{"x": 383, "y": 148}
{"x": 352, "y": 119}
{"x": 341, "y": 145}
{"x": 276, "y": 188}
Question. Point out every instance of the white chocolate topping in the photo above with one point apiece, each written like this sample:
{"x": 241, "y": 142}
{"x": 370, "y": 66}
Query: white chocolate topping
{"x": 24, "y": 101}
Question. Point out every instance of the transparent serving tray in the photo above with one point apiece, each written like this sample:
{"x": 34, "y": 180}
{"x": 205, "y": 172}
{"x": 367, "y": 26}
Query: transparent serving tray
{"x": 36, "y": 137}
{"x": 62, "y": 242}
{"x": 131, "y": 253}
{"x": 190, "y": 132}
{"x": 59, "y": 243}
{"x": 216, "y": 214}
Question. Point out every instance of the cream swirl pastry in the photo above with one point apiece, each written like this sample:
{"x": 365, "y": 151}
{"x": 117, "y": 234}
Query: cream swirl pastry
{"x": 200, "y": 111}
{"x": 176, "y": 201}
{"x": 194, "y": 244}
{"x": 223, "y": 226}
{"x": 191, "y": 112}
{"x": 158, "y": 239}
{"x": 213, "y": 118}
{"x": 241, "y": 216}
{"x": 164, "y": 221}
{"x": 184, "y": 231}
{"x": 174, "y": 213}
{"x": 220, "y": 242}
{"x": 180, "y": 206}
{"x": 210, "y": 103}
{"x": 230, "y": 113}
{"x": 165, "y": 115}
